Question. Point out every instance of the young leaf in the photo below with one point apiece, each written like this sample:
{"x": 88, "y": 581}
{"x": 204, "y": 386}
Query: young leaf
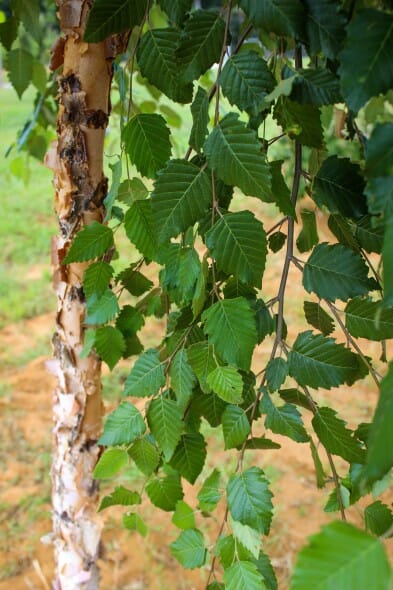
{"x": 283, "y": 17}
{"x": 107, "y": 18}
{"x": 308, "y": 237}
{"x": 147, "y": 375}
{"x": 317, "y": 317}
{"x": 189, "y": 549}
{"x": 102, "y": 310}
{"x": 165, "y": 492}
{"x": 189, "y": 456}
{"x": 249, "y": 499}
{"x": 378, "y": 518}
{"x": 109, "y": 344}
{"x": 133, "y": 522}
{"x": 209, "y": 495}
{"x": 183, "y": 516}
{"x": 145, "y": 455}
{"x": 123, "y": 426}
{"x": 110, "y": 462}
{"x": 368, "y": 319}
{"x": 234, "y": 153}
{"x": 146, "y": 139}
{"x": 200, "y": 119}
{"x": 90, "y": 242}
{"x": 230, "y": 325}
{"x": 238, "y": 243}
{"x": 200, "y": 44}
{"x": 120, "y": 497}
{"x": 336, "y": 437}
{"x": 243, "y": 575}
{"x": 285, "y": 420}
{"x": 341, "y": 557}
{"x": 181, "y": 196}
{"x": 96, "y": 279}
{"x": 336, "y": 272}
{"x": 140, "y": 229}
{"x": 235, "y": 426}
{"x": 320, "y": 362}
{"x": 276, "y": 372}
{"x": 165, "y": 421}
{"x": 19, "y": 65}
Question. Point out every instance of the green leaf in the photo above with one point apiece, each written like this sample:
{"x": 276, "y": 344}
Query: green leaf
{"x": 109, "y": 344}
{"x": 230, "y": 325}
{"x": 319, "y": 471}
{"x": 132, "y": 190}
{"x": 182, "y": 194}
{"x": 379, "y": 154}
{"x": 316, "y": 86}
{"x": 387, "y": 264}
{"x": 276, "y": 241}
{"x": 339, "y": 186}
{"x": 249, "y": 499}
{"x": 199, "y": 297}
{"x": 335, "y": 437}
{"x": 369, "y": 319}
{"x": 378, "y": 518}
{"x": 246, "y": 80}
{"x": 343, "y": 230}
{"x": 238, "y": 243}
{"x": 158, "y": 62}
{"x": 120, "y": 497}
{"x": 140, "y": 229}
{"x": 90, "y": 242}
{"x": 243, "y": 575}
{"x": 146, "y": 139}
{"x": 336, "y": 272}
{"x": 276, "y": 372}
{"x": 145, "y": 455}
{"x": 114, "y": 188}
{"x": 308, "y": 237}
{"x": 97, "y": 278}
{"x": 317, "y": 317}
{"x": 201, "y": 358}
{"x": 265, "y": 322}
{"x": 146, "y": 376}
{"x": 320, "y": 362}
{"x": 110, "y": 462}
{"x": 165, "y": 492}
{"x": 28, "y": 13}
{"x": 283, "y": 17}
{"x": 281, "y": 194}
{"x": 209, "y": 495}
{"x": 369, "y": 237}
{"x": 301, "y": 121}
{"x": 107, "y": 18}
{"x": 176, "y": 9}
{"x": 265, "y": 568}
{"x": 123, "y": 426}
{"x": 189, "y": 456}
{"x": 200, "y": 119}
{"x": 333, "y": 503}
{"x": 9, "y": 32}
{"x": 19, "y": 65}
{"x": 133, "y": 522}
{"x": 249, "y": 538}
{"x": 234, "y": 153}
{"x": 102, "y": 310}
{"x": 258, "y": 443}
{"x": 294, "y": 396}
{"x": 182, "y": 377}
{"x": 129, "y": 321}
{"x": 134, "y": 281}
{"x": 380, "y": 439}
{"x": 227, "y": 383}
{"x": 366, "y": 68}
{"x": 165, "y": 421}
{"x": 325, "y": 27}
{"x": 235, "y": 426}
{"x": 285, "y": 420}
{"x": 341, "y": 557}
{"x": 183, "y": 516}
{"x": 189, "y": 549}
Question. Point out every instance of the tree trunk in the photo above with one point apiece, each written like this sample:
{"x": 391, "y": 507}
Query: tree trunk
{"x": 80, "y": 188}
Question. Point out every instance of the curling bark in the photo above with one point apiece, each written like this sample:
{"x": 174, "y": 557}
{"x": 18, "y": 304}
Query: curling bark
{"x": 80, "y": 188}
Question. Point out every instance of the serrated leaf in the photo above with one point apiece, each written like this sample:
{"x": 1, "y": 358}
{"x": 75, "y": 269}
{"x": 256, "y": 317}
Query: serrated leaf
{"x": 9, "y": 32}
{"x": 109, "y": 344}
{"x": 129, "y": 321}
{"x": 201, "y": 358}
{"x": 261, "y": 442}
{"x": 189, "y": 549}
{"x": 90, "y": 242}
{"x": 366, "y": 68}
{"x": 132, "y": 190}
{"x": 145, "y": 455}
{"x": 294, "y": 396}
{"x": 285, "y": 420}
{"x": 165, "y": 421}
{"x": 182, "y": 194}
{"x": 378, "y": 518}
{"x": 301, "y": 121}
{"x": 200, "y": 44}
{"x": 165, "y": 492}
{"x": 19, "y": 65}
{"x": 317, "y": 317}
{"x": 103, "y": 309}
{"x": 320, "y": 362}
{"x": 276, "y": 372}
{"x": 238, "y": 243}
{"x": 229, "y": 550}
{"x": 210, "y": 406}
{"x": 308, "y": 237}
{"x": 246, "y": 80}
{"x": 182, "y": 377}
{"x": 339, "y": 186}
{"x": 176, "y": 9}
{"x": 334, "y": 271}
{"x": 325, "y": 27}
{"x": 243, "y": 575}
{"x": 266, "y": 569}
{"x": 369, "y": 237}
{"x": 96, "y": 278}
{"x": 316, "y": 86}
{"x": 134, "y": 281}
{"x": 140, "y": 229}
{"x": 234, "y": 153}
{"x": 249, "y": 538}
{"x": 369, "y": 319}
{"x": 264, "y": 320}
{"x": 123, "y": 426}
{"x": 249, "y": 499}
{"x": 110, "y": 462}
{"x": 227, "y": 383}
{"x": 235, "y": 426}
{"x": 230, "y": 325}
{"x": 133, "y": 522}
{"x": 283, "y": 17}
{"x": 341, "y": 557}
{"x": 184, "y": 517}
{"x": 209, "y": 495}
{"x": 200, "y": 119}
{"x": 335, "y": 437}
{"x": 199, "y": 297}
{"x": 156, "y": 54}
{"x": 189, "y": 456}
{"x": 333, "y": 503}
{"x": 343, "y": 230}
{"x": 146, "y": 139}
{"x": 281, "y": 194}
{"x": 107, "y": 18}
{"x": 120, "y": 497}
{"x": 146, "y": 376}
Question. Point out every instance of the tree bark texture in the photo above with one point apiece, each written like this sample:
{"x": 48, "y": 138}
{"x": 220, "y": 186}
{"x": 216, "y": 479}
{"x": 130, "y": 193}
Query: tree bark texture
{"x": 80, "y": 188}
